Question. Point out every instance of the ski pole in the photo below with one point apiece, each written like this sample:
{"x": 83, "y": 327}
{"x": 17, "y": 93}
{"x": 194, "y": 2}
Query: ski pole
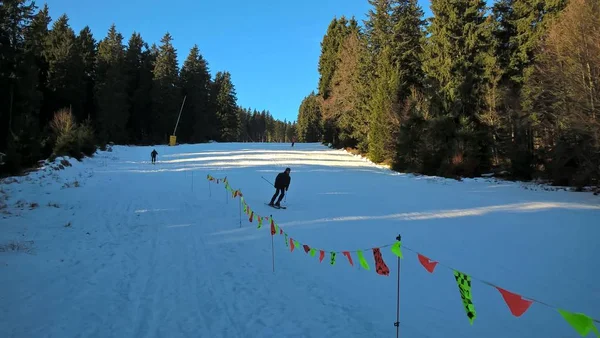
{"x": 267, "y": 181}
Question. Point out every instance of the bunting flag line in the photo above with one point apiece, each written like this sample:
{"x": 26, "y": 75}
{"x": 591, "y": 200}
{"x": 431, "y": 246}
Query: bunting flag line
{"x": 516, "y": 303}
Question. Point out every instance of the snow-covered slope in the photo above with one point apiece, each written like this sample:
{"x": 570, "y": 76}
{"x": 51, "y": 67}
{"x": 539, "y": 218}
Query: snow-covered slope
{"x": 117, "y": 247}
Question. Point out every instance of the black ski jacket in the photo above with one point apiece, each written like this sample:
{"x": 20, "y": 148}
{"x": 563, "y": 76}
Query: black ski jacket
{"x": 282, "y": 181}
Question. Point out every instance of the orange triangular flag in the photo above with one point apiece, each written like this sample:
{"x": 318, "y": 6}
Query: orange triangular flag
{"x": 321, "y": 255}
{"x": 427, "y": 263}
{"x": 272, "y": 227}
{"x": 380, "y": 266}
{"x": 347, "y": 254}
{"x": 516, "y": 303}
{"x": 291, "y": 244}
{"x": 251, "y": 216}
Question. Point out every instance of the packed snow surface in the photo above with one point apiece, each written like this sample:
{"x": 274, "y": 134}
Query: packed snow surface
{"x": 115, "y": 246}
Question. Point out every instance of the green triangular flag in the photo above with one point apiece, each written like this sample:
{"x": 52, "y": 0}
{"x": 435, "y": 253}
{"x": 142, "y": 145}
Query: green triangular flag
{"x": 313, "y": 252}
{"x": 464, "y": 286}
{"x": 362, "y": 260}
{"x": 296, "y": 244}
{"x": 245, "y": 207}
{"x": 286, "y": 240}
{"x": 396, "y": 249}
{"x": 580, "y": 322}
{"x": 332, "y": 258}
{"x": 260, "y": 220}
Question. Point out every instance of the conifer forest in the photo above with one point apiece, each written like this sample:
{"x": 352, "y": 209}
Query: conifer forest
{"x": 509, "y": 87}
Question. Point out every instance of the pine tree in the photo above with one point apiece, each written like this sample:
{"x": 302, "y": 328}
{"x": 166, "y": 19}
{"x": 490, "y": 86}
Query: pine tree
{"x": 166, "y": 91}
{"x": 111, "y": 89}
{"x": 198, "y": 119}
{"x": 226, "y": 106}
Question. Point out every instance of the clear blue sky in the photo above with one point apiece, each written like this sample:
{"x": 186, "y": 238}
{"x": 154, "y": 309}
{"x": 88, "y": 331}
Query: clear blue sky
{"x": 270, "y": 47}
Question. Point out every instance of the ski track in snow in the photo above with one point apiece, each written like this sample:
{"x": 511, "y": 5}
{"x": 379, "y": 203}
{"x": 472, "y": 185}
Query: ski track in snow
{"x": 142, "y": 250}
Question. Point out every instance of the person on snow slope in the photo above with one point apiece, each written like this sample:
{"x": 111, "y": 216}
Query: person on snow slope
{"x": 282, "y": 183}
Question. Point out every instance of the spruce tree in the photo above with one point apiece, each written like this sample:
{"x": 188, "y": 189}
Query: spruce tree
{"x": 226, "y": 107}
{"x": 88, "y": 51}
{"x": 455, "y": 63}
{"x": 166, "y": 91}
{"x": 344, "y": 103}
{"x": 383, "y": 121}
{"x": 198, "y": 119}
{"x": 18, "y": 86}
{"x": 309, "y": 119}
{"x": 111, "y": 89}
{"x": 65, "y": 68}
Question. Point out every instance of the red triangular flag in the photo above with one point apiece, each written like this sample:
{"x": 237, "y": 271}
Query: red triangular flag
{"x": 280, "y": 231}
{"x": 516, "y": 303}
{"x": 272, "y": 227}
{"x": 321, "y": 255}
{"x": 427, "y": 263}
{"x": 347, "y": 254}
{"x": 380, "y": 266}
{"x": 291, "y": 244}
{"x": 251, "y": 216}
{"x": 306, "y": 248}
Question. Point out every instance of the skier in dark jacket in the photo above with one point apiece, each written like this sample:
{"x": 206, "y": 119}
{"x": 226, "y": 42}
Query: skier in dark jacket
{"x": 153, "y": 154}
{"x": 282, "y": 183}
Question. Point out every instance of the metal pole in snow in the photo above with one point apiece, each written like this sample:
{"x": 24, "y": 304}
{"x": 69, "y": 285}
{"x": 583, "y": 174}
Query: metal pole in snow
{"x": 178, "y": 117}
{"x": 397, "y": 323}
{"x": 272, "y": 245}
{"x": 240, "y": 212}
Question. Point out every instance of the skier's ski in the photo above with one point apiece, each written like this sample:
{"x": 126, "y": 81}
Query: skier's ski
{"x": 272, "y": 206}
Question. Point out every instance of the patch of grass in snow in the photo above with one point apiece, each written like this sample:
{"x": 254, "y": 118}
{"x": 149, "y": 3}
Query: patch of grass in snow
{"x": 3, "y": 202}
{"x": 74, "y": 184}
{"x": 10, "y": 180}
{"x": 15, "y": 246}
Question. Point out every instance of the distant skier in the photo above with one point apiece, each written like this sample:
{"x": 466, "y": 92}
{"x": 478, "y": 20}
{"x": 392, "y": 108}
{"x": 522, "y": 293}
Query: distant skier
{"x": 282, "y": 183}
{"x": 293, "y": 140}
{"x": 153, "y": 154}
